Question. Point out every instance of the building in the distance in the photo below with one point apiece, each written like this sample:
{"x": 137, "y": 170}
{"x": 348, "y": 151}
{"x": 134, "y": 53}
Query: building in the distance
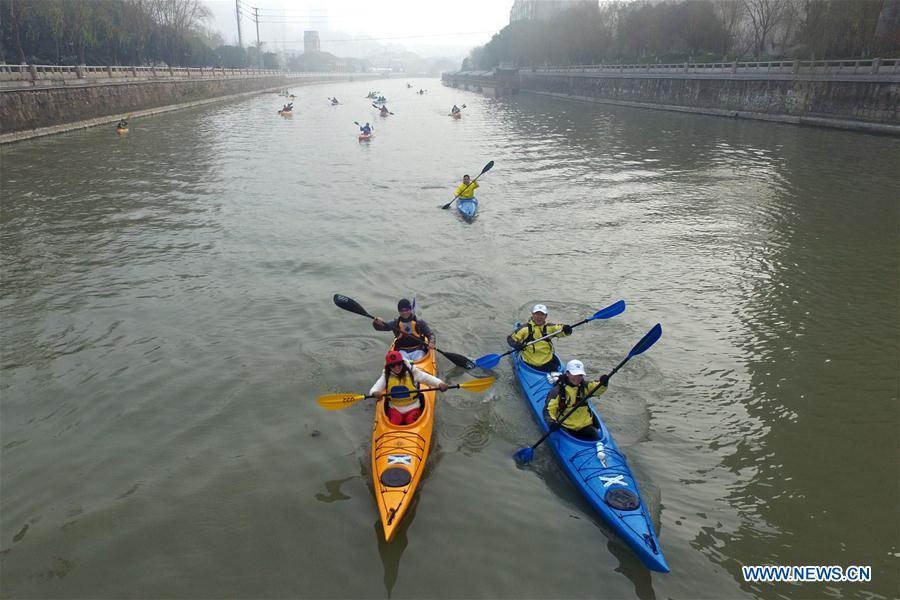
{"x": 310, "y": 41}
{"x": 542, "y": 10}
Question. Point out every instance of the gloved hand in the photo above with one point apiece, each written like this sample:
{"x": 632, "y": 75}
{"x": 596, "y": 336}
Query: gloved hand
{"x": 519, "y": 346}
{"x": 604, "y": 380}
{"x": 567, "y": 329}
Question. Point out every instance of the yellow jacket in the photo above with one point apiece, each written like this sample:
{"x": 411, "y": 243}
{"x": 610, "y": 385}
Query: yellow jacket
{"x": 541, "y": 353}
{"x": 582, "y": 416}
{"x": 464, "y": 191}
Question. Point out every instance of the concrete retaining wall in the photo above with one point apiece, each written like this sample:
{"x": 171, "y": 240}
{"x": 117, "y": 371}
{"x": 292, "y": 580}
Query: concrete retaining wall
{"x": 26, "y": 113}
{"x": 862, "y": 105}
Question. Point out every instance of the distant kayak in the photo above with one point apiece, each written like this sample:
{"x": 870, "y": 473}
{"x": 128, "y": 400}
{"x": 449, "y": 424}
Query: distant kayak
{"x": 457, "y": 115}
{"x": 286, "y": 113}
{"x": 365, "y": 137}
{"x": 121, "y": 130}
{"x": 467, "y": 207}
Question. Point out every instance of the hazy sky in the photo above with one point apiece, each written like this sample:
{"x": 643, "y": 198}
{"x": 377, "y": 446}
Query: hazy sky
{"x": 416, "y": 24}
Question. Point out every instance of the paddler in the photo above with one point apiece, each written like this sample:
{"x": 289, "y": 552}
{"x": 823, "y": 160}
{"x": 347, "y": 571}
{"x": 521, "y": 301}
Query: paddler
{"x": 398, "y": 372}
{"x": 413, "y": 335}
{"x": 539, "y": 355}
{"x": 569, "y": 390}
{"x": 467, "y": 188}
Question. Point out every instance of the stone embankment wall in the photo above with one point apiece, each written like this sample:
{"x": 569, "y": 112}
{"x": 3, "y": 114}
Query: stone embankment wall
{"x": 31, "y": 112}
{"x": 857, "y": 94}
{"x": 861, "y": 105}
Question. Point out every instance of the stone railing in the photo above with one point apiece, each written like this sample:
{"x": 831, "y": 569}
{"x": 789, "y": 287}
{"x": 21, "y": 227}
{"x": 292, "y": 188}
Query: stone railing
{"x": 25, "y": 76}
{"x": 881, "y": 68}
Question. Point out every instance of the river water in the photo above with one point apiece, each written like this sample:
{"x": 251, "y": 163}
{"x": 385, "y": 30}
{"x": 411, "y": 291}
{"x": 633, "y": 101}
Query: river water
{"x": 167, "y": 326}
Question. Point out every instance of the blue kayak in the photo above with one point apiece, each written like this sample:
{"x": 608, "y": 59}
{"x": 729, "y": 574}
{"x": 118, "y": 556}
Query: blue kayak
{"x": 467, "y": 207}
{"x": 599, "y": 471}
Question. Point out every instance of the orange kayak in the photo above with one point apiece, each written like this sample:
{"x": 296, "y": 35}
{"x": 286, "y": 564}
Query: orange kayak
{"x": 399, "y": 453}
{"x": 365, "y": 137}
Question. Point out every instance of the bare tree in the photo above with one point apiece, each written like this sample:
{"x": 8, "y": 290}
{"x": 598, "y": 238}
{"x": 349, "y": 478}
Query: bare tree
{"x": 177, "y": 18}
{"x": 730, "y": 13}
{"x": 764, "y": 16}
{"x": 17, "y": 37}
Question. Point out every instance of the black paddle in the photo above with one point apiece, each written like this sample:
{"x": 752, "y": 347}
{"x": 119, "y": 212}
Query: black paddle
{"x": 382, "y": 108}
{"x": 486, "y": 168}
{"x": 525, "y": 455}
{"x": 351, "y": 305}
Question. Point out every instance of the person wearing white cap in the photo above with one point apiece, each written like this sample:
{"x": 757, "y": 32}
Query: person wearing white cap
{"x": 570, "y": 389}
{"x": 538, "y": 355}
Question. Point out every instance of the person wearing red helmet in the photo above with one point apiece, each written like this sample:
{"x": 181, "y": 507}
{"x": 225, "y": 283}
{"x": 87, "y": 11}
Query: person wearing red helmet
{"x": 413, "y": 335}
{"x": 398, "y": 372}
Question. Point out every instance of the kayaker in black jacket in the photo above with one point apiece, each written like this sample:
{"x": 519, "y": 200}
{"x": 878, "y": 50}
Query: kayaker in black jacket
{"x": 414, "y": 336}
{"x": 571, "y": 388}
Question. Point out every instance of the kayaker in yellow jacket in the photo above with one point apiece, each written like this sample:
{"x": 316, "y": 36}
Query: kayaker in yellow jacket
{"x": 399, "y": 372}
{"x": 569, "y": 390}
{"x": 539, "y": 355}
{"x": 466, "y": 188}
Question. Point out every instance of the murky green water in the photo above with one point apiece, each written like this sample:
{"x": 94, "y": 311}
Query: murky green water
{"x": 167, "y": 326}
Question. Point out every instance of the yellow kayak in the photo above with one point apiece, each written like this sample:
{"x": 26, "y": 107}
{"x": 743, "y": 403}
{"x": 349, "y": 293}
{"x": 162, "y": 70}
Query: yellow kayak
{"x": 399, "y": 453}
{"x": 122, "y": 130}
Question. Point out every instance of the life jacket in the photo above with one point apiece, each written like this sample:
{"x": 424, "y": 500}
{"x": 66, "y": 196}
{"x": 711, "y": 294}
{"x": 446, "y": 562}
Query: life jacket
{"x": 406, "y": 380}
{"x": 567, "y": 396}
{"x": 408, "y": 336}
{"x": 542, "y": 352}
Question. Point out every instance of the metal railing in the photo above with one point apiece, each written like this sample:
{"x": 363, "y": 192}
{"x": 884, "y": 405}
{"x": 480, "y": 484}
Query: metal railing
{"x": 17, "y": 76}
{"x": 851, "y": 67}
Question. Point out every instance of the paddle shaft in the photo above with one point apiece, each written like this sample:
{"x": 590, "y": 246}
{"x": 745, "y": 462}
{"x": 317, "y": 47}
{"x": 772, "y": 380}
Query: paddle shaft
{"x": 546, "y": 337}
{"x": 353, "y": 306}
{"x": 486, "y": 168}
{"x": 449, "y": 387}
{"x": 578, "y": 405}
{"x": 639, "y": 348}
{"x": 550, "y": 335}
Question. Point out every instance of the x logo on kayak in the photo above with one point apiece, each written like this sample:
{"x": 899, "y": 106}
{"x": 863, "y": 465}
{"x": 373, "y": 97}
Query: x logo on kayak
{"x": 608, "y": 481}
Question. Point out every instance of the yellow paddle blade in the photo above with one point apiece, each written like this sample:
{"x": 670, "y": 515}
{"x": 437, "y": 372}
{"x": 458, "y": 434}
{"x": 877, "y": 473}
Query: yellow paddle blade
{"x": 339, "y": 401}
{"x": 478, "y": 385}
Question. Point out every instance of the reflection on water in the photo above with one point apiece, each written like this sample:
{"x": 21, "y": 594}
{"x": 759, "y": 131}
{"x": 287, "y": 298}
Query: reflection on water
{"x": 392, "y": 552}
{"x": 167, "y": 325}
{"x": 334, "y": 491}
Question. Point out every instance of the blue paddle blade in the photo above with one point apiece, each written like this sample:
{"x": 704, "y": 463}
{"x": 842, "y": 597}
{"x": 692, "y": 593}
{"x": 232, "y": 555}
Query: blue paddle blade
{"x": 399, "y": 392}
{"x": 488, "y": 361}
{"x": 610, "y": 311}
{"x": 647, "y": 341}
{"x": 524, "y": 455}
